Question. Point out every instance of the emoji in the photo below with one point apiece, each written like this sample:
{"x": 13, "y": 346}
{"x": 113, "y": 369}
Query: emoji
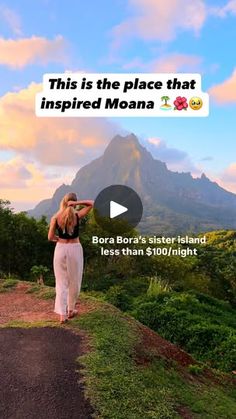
{"x": 180, "y": 103}
{"x": 165, "y": 106}
{"x": 195, "y": 103}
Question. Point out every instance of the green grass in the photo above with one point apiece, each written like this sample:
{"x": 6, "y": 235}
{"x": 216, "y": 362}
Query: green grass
{"x": 7, "y": 284}
{"x": 27, "y": 325}
{"x": 42, "y": 291}
{"x": 201, "y": 325}
{"x": 34, "y": 289}
{"x": 47, "y": 293}
{"x": 120, "y": 389}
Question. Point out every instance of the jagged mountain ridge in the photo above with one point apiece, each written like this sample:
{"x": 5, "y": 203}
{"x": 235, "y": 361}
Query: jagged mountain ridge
{"x": 173, "y": 202}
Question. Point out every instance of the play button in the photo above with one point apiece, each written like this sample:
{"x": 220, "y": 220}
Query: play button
{"x": 118, "y": 209}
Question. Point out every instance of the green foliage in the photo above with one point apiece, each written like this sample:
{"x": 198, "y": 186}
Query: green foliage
{"x": 38, "y": 271}
{"x": 120, "y": 388}
{"x": 198, "y": 314}
{"x": 9, "y": 283}
{"x": 33, "y": 289}
{"x": 23, "y": 242}
{"x": 205, "y": 328}
{"x": 195, "y": 369}
{"x": 117, "y": 296}
{"x": 42, "y": 291}
{"x": 47, "y": 294}
{"x": 156, "y": 287}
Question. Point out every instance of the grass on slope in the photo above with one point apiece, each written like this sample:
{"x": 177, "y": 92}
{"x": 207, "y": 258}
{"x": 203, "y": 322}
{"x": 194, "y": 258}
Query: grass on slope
{"x": 120, "y": 388}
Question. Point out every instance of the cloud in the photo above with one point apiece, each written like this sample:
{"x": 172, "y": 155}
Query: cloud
{"x": 229, "y": 174}
{"x": 227, "y": 179}
{"x": 207, "y": 158}
{"x": 228, "y": 9}
{"x": 176, "y": 160}
{"x": 180, "y": 161}
{"x": 174, "y": 63}
{"x": 169, "y": 63}
{"x": 18, "y": 53}
{"x": 13, "y": 173}
{"x": 50, "y": 141}
{"x": 25, "y": 182}
{"x": 160, "y": 20}
{"x": 12, "y": 19}
{"x": 224, "y": 92}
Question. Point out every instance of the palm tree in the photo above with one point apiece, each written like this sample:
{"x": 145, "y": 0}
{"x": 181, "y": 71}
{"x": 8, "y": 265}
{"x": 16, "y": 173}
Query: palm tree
{"x": 165, "y": 98}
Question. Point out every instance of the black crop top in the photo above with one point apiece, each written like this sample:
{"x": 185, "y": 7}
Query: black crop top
{"x": 63, "y": 234}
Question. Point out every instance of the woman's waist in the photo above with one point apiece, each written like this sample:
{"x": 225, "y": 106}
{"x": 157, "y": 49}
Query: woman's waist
{"x": 68, "y": 241}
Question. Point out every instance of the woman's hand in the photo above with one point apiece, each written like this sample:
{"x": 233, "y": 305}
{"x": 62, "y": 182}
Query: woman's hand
{"x": 87, "y": 203}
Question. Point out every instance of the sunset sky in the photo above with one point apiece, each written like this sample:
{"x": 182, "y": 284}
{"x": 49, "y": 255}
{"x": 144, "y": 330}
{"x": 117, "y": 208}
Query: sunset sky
{"x": 38, "y": 154}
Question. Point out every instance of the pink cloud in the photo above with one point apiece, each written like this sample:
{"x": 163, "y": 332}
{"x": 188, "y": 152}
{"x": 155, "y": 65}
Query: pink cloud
{"x": 173, "y": 63}
{"x": 225, "y": 92}
{"x": 13, "y": 174}
{"x": 170, "y": 63}
{"x": 18, "y": 53}
{"x": 51, "y": 141}
{"x": 229, "y": 174}
{"x": 160, "y": 20}
{"x": 227, "y": 179}
{"x": 24, "y": 182}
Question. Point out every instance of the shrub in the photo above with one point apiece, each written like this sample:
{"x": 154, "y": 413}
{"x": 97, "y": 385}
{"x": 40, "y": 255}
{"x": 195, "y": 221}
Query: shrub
{"x": 117, "y": 296}
{"x": 157, "y": 286}
{"x": 196, "y": 369}
{"x": 207, "y": 331}
{"x": 9, "y": 283}
{"x": 224, "y": 355}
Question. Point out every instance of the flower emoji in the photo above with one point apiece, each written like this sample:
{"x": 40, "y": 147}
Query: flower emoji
{"x": 181, "y": 103}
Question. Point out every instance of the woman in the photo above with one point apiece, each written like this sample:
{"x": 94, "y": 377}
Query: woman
{"x": 68, "y": 255}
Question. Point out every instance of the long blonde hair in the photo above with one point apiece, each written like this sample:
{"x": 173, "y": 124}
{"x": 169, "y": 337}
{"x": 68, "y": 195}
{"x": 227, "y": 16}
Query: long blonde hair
{"x": 67, "y": 213}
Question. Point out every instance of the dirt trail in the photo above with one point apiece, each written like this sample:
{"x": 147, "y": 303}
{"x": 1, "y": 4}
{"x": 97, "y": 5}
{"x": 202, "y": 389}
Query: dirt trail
{"x": 18, "y": 305}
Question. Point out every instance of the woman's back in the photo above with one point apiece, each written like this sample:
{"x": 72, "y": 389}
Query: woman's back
{"x": 62, "y": 227}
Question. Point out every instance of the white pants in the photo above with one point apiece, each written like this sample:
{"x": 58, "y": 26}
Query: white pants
{"x": 68, "y": 270}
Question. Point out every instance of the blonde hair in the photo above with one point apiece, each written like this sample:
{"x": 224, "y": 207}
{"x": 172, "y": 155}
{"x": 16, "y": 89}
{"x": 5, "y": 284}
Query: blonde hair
{"x": 67, "y": 213}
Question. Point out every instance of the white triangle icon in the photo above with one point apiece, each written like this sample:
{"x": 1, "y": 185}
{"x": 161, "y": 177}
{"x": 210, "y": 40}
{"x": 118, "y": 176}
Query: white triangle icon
{"x": 116, "y": 209}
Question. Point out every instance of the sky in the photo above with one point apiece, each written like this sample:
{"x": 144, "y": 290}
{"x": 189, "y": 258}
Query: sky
{"x": 39, "y": 154}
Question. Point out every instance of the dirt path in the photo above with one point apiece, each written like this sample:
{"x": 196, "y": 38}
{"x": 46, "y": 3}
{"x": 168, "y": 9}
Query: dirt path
{"x": 39, "y": 376}
{"x": 18, "y": 305}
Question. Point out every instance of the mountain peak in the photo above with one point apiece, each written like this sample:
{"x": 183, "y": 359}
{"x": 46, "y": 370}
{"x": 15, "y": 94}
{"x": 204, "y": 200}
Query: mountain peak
{"x": 173, "y": 202}
{"x": 129, "y": 137}
{"x": 125, "y": 148}
{"x": 204, "y": 177}
{"x": 120, "y": 141}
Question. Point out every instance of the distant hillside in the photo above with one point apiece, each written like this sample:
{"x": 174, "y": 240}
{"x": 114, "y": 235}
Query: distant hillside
{"x": 173, "y": 202}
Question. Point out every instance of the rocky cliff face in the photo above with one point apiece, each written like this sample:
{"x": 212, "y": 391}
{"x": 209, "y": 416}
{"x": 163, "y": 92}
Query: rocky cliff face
{"x": 173, "y": 202}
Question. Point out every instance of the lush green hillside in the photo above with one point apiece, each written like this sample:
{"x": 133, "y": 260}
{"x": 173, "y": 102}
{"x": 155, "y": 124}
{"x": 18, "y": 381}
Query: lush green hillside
{"x": 203, "y": 326}
{"x": 191, "y": 301}
{"x": 130, "y": 372}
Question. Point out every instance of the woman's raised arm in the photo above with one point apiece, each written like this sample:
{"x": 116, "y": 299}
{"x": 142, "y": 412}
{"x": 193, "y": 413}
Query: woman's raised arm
{"x": 52, "y": 229}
